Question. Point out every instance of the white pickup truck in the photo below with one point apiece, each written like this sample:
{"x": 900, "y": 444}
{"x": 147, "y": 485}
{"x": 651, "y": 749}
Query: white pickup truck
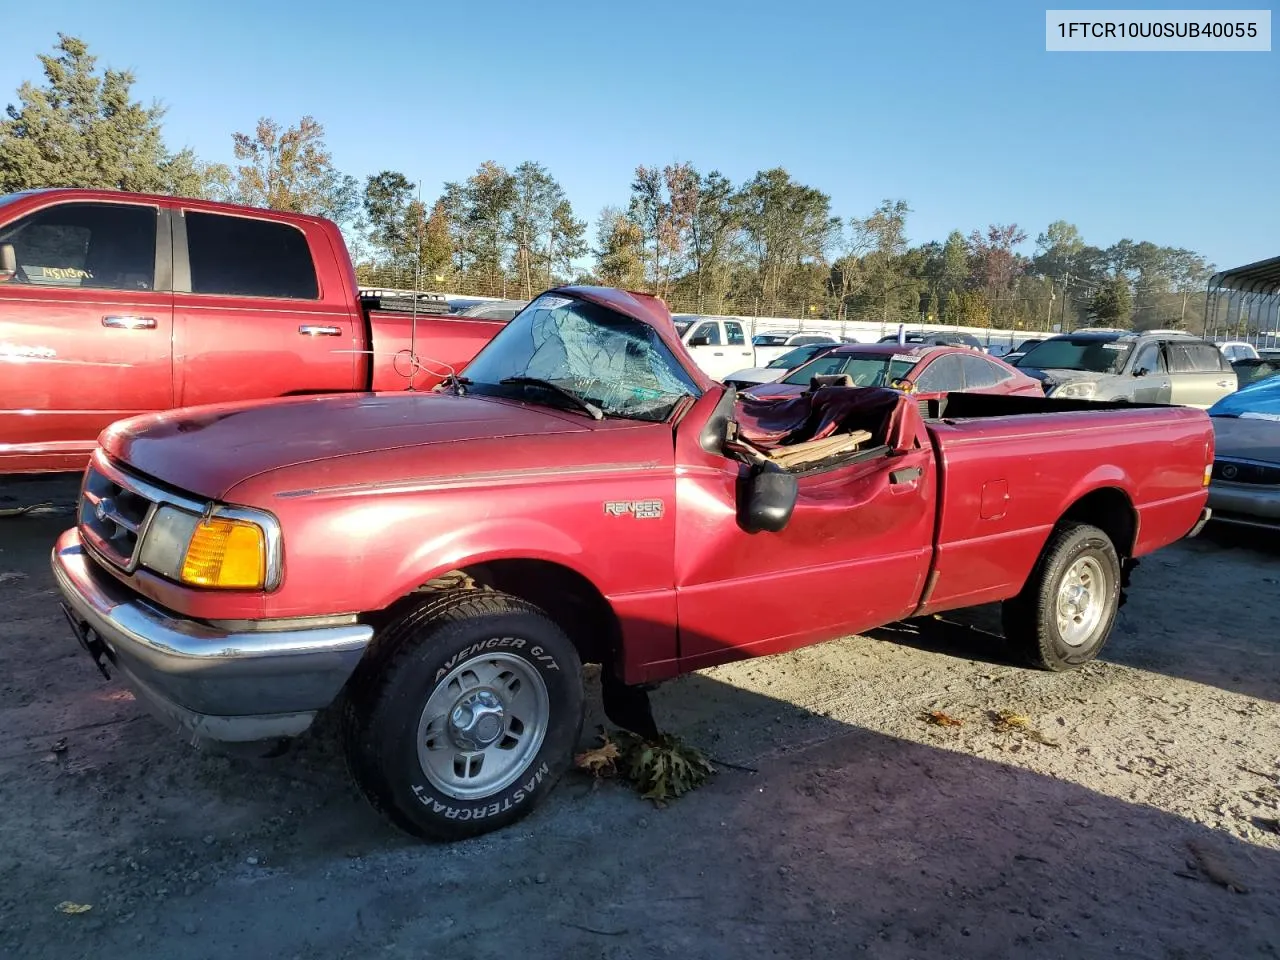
{"x": 719, "y": 345}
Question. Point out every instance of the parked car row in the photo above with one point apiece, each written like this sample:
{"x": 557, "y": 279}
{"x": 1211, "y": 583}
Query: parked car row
{"x": 1143, "y": 367}
{"x": 912, "y": 368}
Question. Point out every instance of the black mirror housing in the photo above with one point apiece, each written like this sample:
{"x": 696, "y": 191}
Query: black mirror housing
{"x": 703, "y": 341}
{"x": 716, "y": 430}
{"x": 767, "y": 500}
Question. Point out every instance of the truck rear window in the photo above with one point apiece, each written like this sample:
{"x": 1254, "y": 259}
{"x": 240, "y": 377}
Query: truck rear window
{"x": 244, "y": 257}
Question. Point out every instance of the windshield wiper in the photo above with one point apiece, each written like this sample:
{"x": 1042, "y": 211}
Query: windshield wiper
{"x": 459, "y": 384}
{"x": 586, "y": 405}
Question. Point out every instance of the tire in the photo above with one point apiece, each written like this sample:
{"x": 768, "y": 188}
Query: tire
{"x": 492, "y": 691}
{"x": 1032, "y": 622}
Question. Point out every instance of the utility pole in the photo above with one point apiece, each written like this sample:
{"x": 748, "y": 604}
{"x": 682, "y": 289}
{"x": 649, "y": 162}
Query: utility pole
{"x": 417, "y": 289}
{"x": 1062, "y": 321}
{"x": 1049, "y": 313}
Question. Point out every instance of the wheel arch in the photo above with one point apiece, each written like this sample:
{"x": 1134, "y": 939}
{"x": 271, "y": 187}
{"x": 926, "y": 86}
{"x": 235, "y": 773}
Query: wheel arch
{"x": 566, "y": 594}
{"x": 1111, "y": 510}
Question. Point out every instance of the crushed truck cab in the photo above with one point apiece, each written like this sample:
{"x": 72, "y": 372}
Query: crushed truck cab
{"x": 443, "y": 563}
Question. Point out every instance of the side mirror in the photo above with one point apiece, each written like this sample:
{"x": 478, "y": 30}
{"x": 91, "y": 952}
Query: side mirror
{"x": 702, "y": 340}
{"x": 1141, "y": 372}
{"x": 906, "y": 386}
{"x": 767, "y": 500}
{"x": 8, "y": 262}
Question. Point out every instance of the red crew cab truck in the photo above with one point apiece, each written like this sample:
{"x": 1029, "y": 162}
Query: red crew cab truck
{"x": 441, "y": 564}
{"x": 114, "y": 304}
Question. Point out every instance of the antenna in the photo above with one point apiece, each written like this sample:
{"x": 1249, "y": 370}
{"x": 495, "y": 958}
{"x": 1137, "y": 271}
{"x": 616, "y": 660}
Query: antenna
{"x": 417, "y": 292}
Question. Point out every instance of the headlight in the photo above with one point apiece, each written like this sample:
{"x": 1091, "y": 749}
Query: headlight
{"x": 1075, "y": 391}
{"x": 233, "y": 549}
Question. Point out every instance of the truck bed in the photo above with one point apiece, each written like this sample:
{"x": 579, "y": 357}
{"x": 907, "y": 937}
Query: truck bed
{"x": 1010, "y": 465}
{"x": 444, "y": 343}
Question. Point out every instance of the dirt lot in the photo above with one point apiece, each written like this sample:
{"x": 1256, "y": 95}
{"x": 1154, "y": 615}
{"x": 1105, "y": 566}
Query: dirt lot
{"x": 1144, "y": 788}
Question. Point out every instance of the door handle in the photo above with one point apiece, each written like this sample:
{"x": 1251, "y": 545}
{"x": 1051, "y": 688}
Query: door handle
{"x": 906, "y": 475}
{"x": 1224, "y": 383}
{"x": 130, "y": 323}
{"x": 314, "y": 330}
{"x": 717, "y": 354}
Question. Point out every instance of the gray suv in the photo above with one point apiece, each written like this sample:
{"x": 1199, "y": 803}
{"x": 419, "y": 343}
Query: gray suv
{"x": 1152, "y": 366}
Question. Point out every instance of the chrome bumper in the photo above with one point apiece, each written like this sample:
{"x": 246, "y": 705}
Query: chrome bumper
{"x": 1205, "y": 516}
{"x": 1245, "y": 504}
{"x": 215, "y": 685}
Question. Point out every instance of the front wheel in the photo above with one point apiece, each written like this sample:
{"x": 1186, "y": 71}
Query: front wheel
{"x": 464, "y": 715}
{"x": 1064, "y": 614}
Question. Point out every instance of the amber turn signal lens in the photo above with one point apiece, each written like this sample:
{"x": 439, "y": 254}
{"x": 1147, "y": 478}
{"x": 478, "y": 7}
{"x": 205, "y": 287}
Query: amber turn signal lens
{"x": 226, "y": 553}
{"x": 1208, "y": 473}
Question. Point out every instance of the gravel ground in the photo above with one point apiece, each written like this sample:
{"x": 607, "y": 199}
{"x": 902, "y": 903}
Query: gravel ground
{"x": 1135, "y": 814}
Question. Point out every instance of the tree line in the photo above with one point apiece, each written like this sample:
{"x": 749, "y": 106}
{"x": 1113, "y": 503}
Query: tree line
{"x": 769, "y": 246}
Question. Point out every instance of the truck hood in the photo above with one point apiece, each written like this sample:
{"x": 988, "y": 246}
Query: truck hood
{"x": 756, "y": 374}
{"x": 1244, "y": 438}
{"x": 1064, "y": 376}
{"x": 208, "y": 450}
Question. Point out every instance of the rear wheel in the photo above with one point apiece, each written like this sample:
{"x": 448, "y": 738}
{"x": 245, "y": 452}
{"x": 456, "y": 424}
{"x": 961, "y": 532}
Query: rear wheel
{"x": 1064, "y": 614}
{"x": 464, "y": 715}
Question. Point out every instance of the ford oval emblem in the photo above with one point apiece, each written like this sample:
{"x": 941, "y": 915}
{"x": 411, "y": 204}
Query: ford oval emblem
{"x": 104, "y": 509}
{"x": 1229, "y": 472}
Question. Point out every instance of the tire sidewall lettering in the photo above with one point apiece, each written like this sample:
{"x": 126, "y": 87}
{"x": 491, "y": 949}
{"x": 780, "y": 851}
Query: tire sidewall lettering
{"x": 516, "y": 644}
{"x": 525, "y": 787}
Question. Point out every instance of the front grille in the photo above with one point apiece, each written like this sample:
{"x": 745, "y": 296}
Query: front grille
{"x": 1243, "y": 471}
{"x": 113, "y": 515}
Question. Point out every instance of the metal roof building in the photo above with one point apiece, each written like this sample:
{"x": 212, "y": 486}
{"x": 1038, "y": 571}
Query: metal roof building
{"x": 1244, "y": 304}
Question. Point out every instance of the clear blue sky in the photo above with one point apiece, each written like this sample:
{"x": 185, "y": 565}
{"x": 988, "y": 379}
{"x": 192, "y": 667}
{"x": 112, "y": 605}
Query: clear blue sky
{"x": 960, "y": 111}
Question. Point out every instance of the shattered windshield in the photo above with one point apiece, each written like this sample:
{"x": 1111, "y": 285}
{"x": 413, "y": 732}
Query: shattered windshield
{"x": 614, "y": 362}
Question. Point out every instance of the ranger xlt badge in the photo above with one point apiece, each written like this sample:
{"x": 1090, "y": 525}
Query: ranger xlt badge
{"x": 640, "y": 509}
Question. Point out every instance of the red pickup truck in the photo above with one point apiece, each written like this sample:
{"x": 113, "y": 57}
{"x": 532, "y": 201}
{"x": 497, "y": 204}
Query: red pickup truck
{"x": 441, "y": 564}
{"x": 114, "y": 304}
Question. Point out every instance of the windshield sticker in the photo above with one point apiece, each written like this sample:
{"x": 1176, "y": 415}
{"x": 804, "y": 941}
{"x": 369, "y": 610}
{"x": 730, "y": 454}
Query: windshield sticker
{"x": 551, "y": 303}
{"x": 904, "y": 358}
{"x": 1115, "y": 346}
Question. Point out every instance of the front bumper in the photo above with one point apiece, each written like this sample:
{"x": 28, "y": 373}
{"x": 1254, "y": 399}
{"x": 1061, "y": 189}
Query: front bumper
{"x": 1245, "y": 504}
{"x": 212, "y": 684}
